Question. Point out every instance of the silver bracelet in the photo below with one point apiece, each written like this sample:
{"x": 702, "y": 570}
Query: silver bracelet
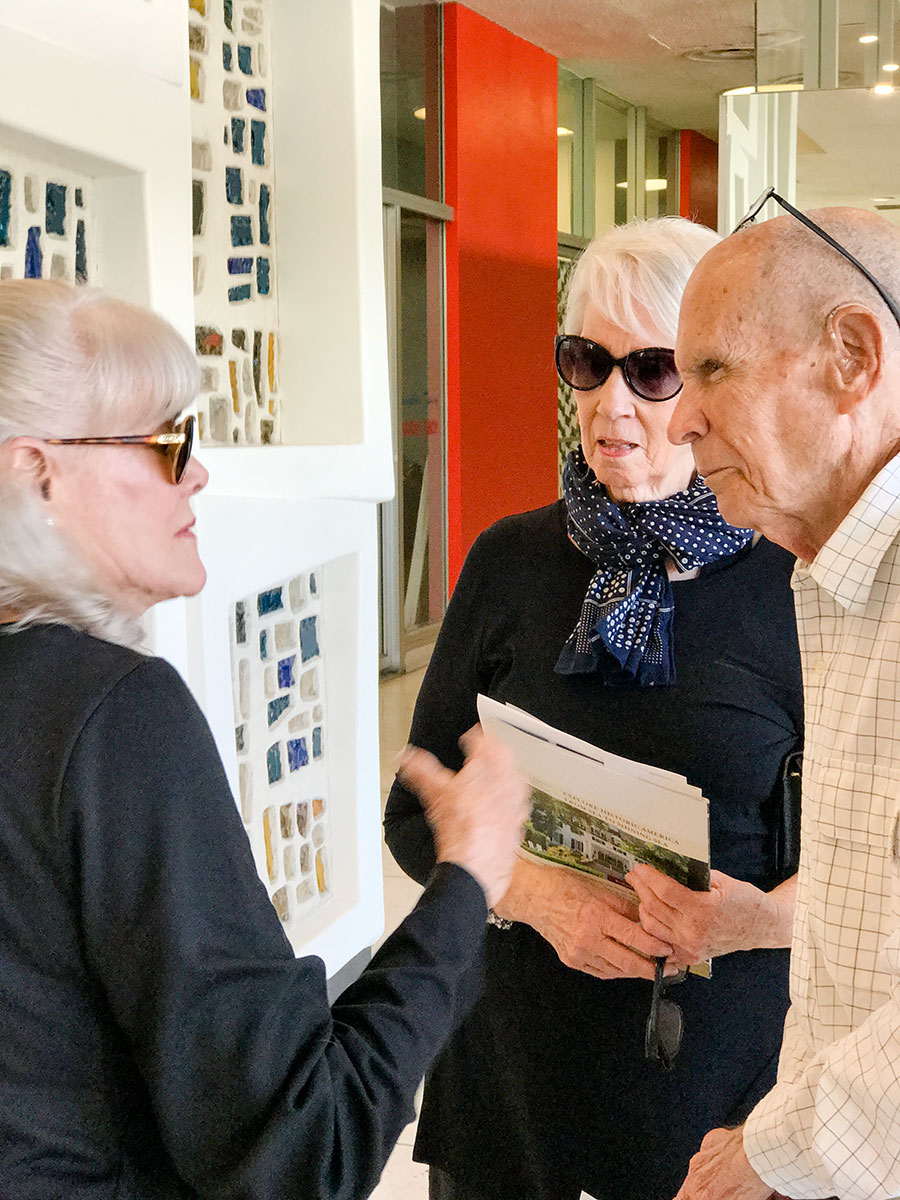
{"x": 500, "y": 922}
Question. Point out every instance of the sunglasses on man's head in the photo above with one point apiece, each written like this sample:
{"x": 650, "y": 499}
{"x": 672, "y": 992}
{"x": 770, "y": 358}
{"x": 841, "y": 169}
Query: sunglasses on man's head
{"x": 584, "y": 365}
{"x": 771, "y": 194}
{"x": 176, "y": 445}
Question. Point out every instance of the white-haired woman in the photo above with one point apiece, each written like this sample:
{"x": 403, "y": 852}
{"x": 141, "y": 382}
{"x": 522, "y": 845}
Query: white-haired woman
{"x": 630, "y": 615}
{"x": 158, "y": 1039}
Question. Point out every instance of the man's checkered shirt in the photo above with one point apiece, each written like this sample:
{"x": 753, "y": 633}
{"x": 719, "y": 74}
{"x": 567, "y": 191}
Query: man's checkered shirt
{"x": 831, "y": 1125}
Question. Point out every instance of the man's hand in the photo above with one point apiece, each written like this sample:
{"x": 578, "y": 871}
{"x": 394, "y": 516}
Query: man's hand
{"x": 591, "y": 928}
{"x": 720, "y": 1170}
{"x": 477, "y": 814}
{"x": 732, "y": 915}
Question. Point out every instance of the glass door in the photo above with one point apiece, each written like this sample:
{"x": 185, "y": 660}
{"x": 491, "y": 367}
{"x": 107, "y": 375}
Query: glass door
{"x": 412, "y": 525}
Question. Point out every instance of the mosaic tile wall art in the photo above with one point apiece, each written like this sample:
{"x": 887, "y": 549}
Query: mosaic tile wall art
{"x": 281, "y": 737}
{"x": 568, "y": 433}
{"x": 46, "y": 220}
{"x": 235, "y": 301}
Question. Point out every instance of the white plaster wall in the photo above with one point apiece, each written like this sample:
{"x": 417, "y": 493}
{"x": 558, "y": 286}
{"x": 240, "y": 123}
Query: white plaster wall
{"x": 139, "y": 35}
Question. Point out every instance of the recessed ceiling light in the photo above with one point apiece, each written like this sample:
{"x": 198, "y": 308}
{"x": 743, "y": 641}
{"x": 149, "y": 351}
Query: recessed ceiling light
{"x": 656, "y": 185}
{"x": 883, "y": 89}
{"x": 741, "y": 91}
{"x": 623, "y": 184}
{"x": 561, "y": 131}
{"x": 868, "y": 38}
{"x": 420, "y": 114}
{"x": 891, "y": 67}
{"x": 883, "y": 199}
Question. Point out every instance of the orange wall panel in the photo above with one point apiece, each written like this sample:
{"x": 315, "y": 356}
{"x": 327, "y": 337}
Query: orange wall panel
{"x": 500, "y": 178}
{"x": 699, "y": 172}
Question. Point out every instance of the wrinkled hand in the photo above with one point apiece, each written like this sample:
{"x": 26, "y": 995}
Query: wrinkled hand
{"x": 720, "y": 1170}
{"x": 591, "y": 928}
{"x": 477, "y": 813}
{"x": 732, "y": 915}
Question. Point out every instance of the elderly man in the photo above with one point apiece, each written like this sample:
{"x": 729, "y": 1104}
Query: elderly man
{"x": 790, "y": 355}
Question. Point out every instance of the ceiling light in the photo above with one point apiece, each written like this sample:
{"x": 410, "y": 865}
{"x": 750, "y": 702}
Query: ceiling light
{"x": 656, "y": 185}
{"x": 868, "y": 38}
{"x": 883, "y": 89}
{"x": 623, "y": 184}
{"x": 741, "y": 91}
{"x": 561, "y": 131}
{"x": 891, "y": 68}
{"x": 419, "y": 114}
{"x": 883, "y": 199}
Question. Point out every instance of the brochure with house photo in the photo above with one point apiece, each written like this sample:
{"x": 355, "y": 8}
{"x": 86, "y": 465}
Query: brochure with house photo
{"x": 596, "y": 812}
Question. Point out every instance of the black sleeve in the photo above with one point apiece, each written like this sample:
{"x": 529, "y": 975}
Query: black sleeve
{"x": 258, "y": 1089}
{"x": 466, "y": 654}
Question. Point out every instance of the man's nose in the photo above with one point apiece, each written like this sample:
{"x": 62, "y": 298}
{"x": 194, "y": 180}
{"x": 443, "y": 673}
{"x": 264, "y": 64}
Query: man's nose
{"x": 687, "y": 423}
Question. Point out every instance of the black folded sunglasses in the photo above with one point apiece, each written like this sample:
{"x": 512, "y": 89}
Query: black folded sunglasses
{"x": 666, "y": 1022}
{"x": 584, "y": 365}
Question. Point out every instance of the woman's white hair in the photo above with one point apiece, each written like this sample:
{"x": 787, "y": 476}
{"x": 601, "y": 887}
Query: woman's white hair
{"x": 634, "y": 275}
{"x": 74, "y": 362}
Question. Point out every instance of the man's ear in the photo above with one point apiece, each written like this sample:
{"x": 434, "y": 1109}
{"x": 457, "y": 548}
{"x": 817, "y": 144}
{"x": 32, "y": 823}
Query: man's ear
{"x": 27, "y": 459}
{"x": 856, "y": 347}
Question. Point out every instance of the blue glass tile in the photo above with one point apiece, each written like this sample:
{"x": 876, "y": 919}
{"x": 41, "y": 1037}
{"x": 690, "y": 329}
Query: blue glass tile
{"x": 239, "y": 739}
{"x": 240, "y": 623}
{"x": 5, "y": 192}
{"x": 309, "y": 638}
{"x": 317, "y": 742}
{"x": 286, "y": 672}
{"x": 313, "y": 585}
{"x": 81, "y": 272}
{"x": 277, "y": 707}
{"x": 258, "y": 142}
{"x": 234, "y": 185}
{"x": 241, "y": 231}
{"x": 34, "y": 259}
{"x": 239, "y": 293}
{"x": 226, "y": 56}
{"x": 228, "y": 7}
{"x": 265, "y": 196}
{"x": 55, "y": 220}
{"x": 79, "y": 198}
{"x": 262, "y": 276}
{"x": 238, "y": 126}
{"x": 257, "y": 97}
{"x": 298, "y": 755}
{"x": 240, "y": 266}
{"x": 263, "y": 644}
{"x": 273, "y": 763}
{"x": 270, "y": 601}
{"x": 245, "y": 59}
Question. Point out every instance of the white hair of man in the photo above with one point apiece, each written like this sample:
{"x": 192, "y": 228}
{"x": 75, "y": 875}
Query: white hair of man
{"x": 634, "y": 275}
{"x": 74, "y": 362}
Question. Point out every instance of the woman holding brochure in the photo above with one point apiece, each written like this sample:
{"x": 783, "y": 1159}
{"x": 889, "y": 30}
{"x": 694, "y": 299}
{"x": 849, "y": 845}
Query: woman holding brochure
{"x": 630, "y": 615}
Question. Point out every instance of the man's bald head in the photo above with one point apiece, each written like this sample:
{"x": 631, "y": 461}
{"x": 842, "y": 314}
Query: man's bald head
{"x": 793, "y": 278}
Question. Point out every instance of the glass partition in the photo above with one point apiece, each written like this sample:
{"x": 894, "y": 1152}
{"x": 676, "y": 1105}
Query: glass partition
{"x": 827, "y": 44}
{"x": 411, "y": 99}
{"x": 610, "y": 161}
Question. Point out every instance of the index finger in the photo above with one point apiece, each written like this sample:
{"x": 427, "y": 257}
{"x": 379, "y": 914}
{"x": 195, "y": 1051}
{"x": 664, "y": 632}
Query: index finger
{"x": 644, "y": 878}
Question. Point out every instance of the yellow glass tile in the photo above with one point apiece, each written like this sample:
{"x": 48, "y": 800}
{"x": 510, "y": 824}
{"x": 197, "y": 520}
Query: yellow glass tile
{"x": 201, "y": 425}
{"x": 195, "y": 79}
{"x": 320, "y": 871}
{"x": 232, "y": 374}
{"x": 271, "y": 406}
{"x": 272, "y": 362}
{"x": 267, "y": 837}
{"x": 199, "y": 6}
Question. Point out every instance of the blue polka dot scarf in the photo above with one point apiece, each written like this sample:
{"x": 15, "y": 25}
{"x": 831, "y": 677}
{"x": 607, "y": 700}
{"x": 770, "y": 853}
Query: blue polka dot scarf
{"x": 625, "y": 627}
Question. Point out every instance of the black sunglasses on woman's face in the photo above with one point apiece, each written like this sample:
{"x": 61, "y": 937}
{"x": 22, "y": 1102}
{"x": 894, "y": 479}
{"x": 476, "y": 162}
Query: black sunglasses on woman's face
{"x": 584, "y": 365}
{"x": 175, "y": 445}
